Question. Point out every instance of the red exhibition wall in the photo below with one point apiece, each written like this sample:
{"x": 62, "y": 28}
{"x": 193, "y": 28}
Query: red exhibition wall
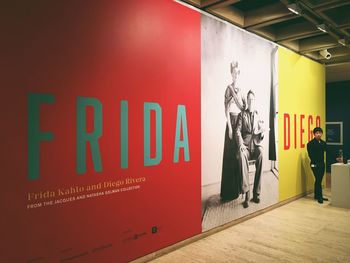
{"x": 85, "y": 86}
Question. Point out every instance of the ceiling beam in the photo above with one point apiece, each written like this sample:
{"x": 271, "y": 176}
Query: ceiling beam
{"x": 344, "y": 26}
{"x": 313, "y": 56}
{"x": 265, "y": 13}
{"x": 317, "y": 43}
{"x": 297, "y": 31}
{"x": 331, "y": 5}
{"x": 293, "y": 45}
{"x": 273, "y": 21}
{"x": 230, "y": 14}
{"x": 336, "y": 60}
{"x": 339, "y": 64}
{"x": 265, "y": 33}
{"x": 328, "y": 19}
{"x": 206, "y": 3}
{"x": 300, "y": 36}
{"x": 340, "y": 52}
{"x": 223, "y": 4}
{"x": 319, "y": 48}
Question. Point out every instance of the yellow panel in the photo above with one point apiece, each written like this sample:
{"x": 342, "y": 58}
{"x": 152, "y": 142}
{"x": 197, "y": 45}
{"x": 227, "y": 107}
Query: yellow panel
{"x": 301, "y": 91}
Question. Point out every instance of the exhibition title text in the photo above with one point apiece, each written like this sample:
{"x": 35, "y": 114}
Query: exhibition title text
{"x": 84, "y": 137}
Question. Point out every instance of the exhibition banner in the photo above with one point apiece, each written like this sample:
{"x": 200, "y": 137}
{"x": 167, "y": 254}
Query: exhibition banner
{"x": 101, "y": 150}
{"x": 132, "y": 125}
{"x": 239, "y": 122}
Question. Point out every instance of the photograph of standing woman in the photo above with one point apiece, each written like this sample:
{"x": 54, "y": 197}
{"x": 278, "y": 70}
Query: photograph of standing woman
{"x": 235, "y": 102}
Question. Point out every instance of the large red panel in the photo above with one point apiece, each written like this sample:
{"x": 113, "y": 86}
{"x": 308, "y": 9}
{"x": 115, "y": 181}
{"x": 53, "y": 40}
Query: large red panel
{"x": 139, "y": 51}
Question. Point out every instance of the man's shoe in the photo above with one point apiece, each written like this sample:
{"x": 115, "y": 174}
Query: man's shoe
{"x": 325, "y": 199}
{"x": 256, "y": 199}
{"x": 320, "y": 200}
{"x": 245, "y": 204}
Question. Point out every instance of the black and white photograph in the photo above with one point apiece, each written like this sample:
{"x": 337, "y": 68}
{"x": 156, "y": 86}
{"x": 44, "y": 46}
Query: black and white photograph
{"x": 239, "y": 131}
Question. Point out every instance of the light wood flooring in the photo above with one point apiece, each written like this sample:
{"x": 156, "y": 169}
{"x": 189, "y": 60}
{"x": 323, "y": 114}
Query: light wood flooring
{"x": 300, "y": 231}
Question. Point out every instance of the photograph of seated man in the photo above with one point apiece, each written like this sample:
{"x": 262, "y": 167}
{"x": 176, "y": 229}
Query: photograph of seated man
{"x": 249, "y": 135}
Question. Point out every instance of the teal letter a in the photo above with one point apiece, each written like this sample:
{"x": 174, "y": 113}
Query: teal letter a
{"x": 181, "y": 123}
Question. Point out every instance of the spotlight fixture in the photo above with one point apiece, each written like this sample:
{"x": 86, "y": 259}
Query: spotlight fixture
{"x": 343, "y": 41}
{"x": 325, "y": 54}
{"x": 295, "y": 8}
{"x": 322, "y": 27}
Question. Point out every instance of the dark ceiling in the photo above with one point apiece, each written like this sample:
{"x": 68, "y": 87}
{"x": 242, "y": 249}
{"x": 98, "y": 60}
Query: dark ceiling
{"x": 273, "y": 20}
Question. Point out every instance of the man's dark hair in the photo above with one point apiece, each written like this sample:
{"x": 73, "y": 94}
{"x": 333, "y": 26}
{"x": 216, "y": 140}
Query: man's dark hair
{"x": 317, "y": 129}
{"x": 250, "y": 92}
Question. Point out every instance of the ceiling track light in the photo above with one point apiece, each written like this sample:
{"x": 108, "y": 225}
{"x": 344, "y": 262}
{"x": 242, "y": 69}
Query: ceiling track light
{"x": 322, "y": 27}
{"x": 295, "y": 8}
{"x": 343, "y": 41}
{"x": 325, "y": 54}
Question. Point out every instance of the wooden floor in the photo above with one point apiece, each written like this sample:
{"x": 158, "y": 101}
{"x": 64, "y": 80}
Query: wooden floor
{"x": 301, "y": 231}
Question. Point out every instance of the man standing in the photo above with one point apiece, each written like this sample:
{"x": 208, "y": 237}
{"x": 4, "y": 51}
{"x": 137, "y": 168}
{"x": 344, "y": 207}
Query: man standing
{"x": 316, "y": 148}
{"x": 249, "y": 135}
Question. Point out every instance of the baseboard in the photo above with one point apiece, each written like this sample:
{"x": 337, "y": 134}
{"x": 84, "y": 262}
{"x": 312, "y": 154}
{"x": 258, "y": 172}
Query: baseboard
{"x": 195, "y": 238}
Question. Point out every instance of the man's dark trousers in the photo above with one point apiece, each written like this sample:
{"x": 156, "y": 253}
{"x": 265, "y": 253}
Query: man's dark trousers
{"x": 318, "y": 173}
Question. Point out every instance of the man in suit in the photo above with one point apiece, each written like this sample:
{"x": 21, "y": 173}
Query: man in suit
{"x": 249, "y": 135}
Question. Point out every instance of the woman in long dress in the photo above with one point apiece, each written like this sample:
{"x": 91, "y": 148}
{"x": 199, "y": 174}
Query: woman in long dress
{"x": 231, "y": 183}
